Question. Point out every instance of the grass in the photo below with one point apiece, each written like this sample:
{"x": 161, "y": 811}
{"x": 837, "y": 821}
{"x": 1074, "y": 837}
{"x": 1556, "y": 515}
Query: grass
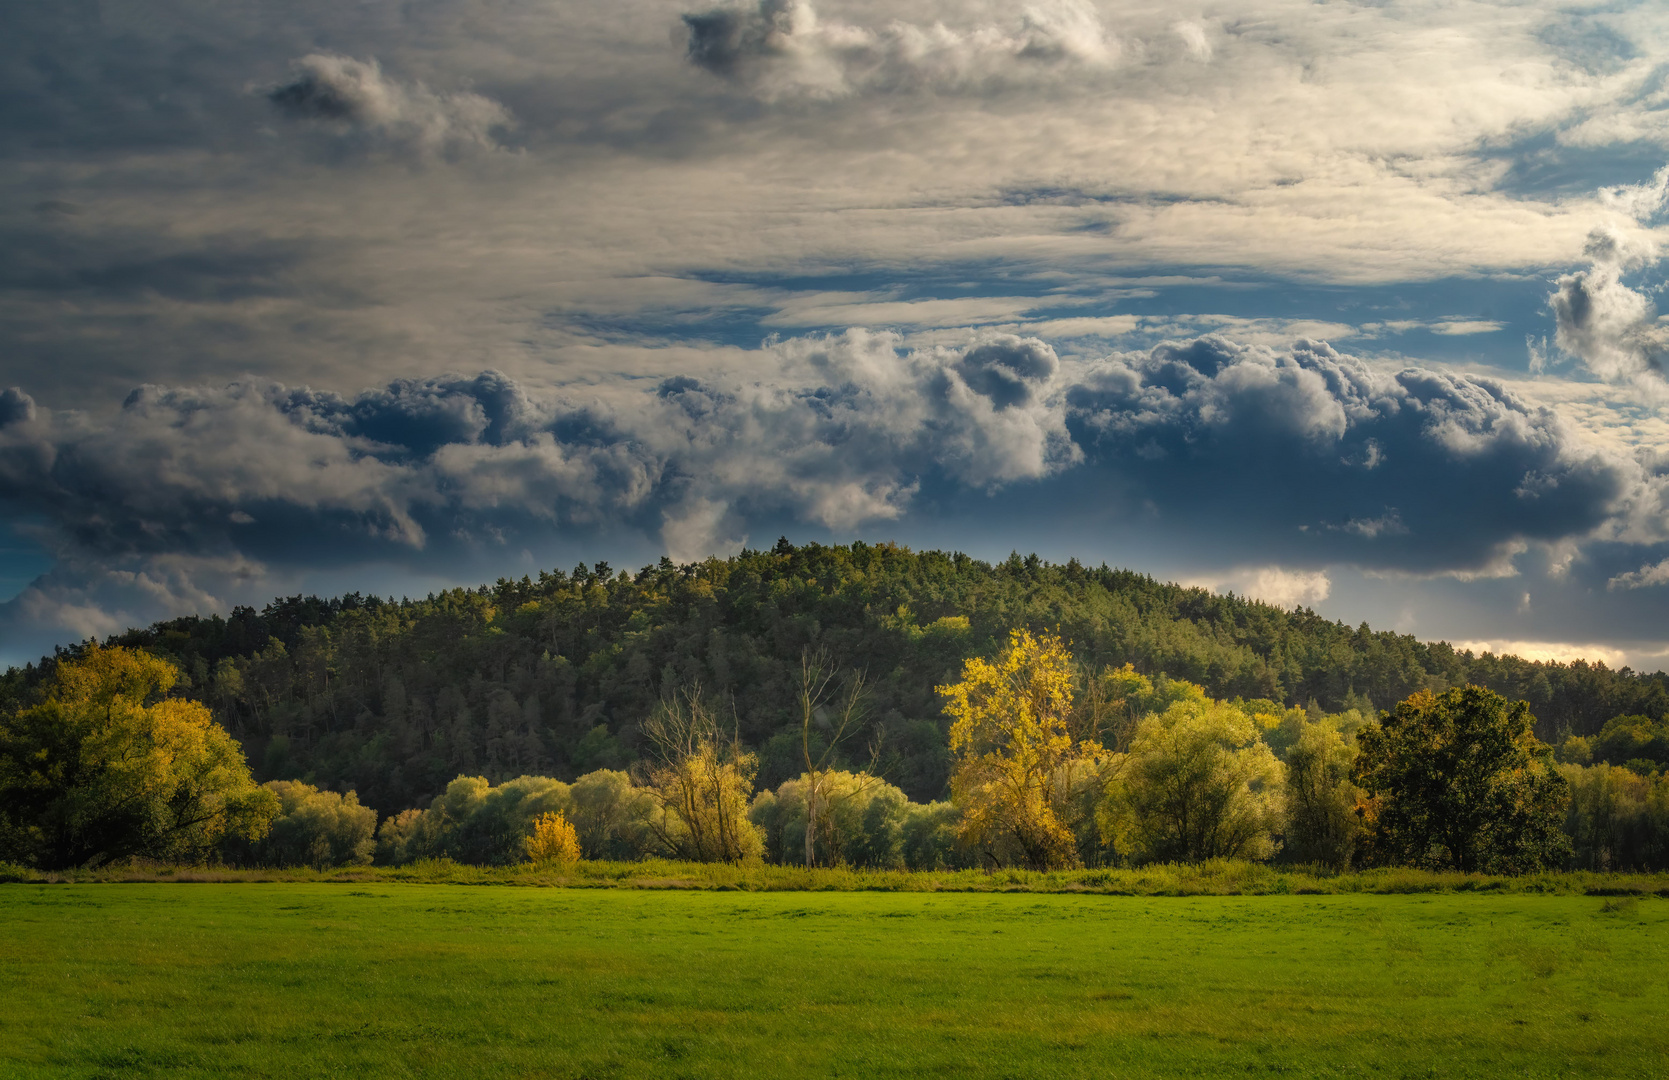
{"x": 1218, "y": 878}
{"x": 383, "y": 978}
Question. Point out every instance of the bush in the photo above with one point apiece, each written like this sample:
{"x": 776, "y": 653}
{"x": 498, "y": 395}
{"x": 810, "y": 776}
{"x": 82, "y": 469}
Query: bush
{"x": 553, "y": 840}
{"x": 862, "y": 825}
{"x": 927, "y": 838}
{"x": 313, "y": 828}
{"x": 611, "y": 816}
{"x": 474, "y": 822}
{"x": 403, "y": 838}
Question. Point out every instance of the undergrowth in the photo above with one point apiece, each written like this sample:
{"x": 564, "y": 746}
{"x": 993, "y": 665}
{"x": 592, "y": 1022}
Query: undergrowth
{"x": 1216, "y": 878}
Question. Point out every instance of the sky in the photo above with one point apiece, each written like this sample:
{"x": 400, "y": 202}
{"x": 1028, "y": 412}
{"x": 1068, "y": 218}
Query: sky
{"x": 1342, "y": 305}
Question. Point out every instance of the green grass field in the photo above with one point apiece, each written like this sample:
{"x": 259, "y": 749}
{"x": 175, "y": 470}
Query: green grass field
{"x": 297, "y": 980}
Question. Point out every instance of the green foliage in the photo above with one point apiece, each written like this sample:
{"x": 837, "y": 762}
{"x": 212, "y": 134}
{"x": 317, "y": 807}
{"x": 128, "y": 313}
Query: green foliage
{"x": 1458, "y": 780}
{"x": 928, "y": 838}
{"x": 556, "y": 675}
{"x": 1322, "y": 827}
{"x": 1618, "y": 819}
{"x": 108, "y": 767}
{"x": 1199, "y": 784}
{"x": 472, "y": 821}
{"x": 862, "y": 826}
{"x": 1625, "y": 739}
{"x": 612, "y": 816}
{"x": 312, "y": 828}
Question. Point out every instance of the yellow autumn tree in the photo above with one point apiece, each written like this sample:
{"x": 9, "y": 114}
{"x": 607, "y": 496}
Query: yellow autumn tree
{"x": 109, "y": 766}
{"x": 1019, "y": 771}
{"x": 553, "y": 840}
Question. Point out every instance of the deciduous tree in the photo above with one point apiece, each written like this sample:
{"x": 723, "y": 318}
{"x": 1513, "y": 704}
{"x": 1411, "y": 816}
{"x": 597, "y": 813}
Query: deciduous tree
{"x": 1018, "y": 767}
{"x": 1199, "y": 784}
{"x": 1321, "y": 821}
{"x": 1458, "y": 781}
{"x": 827, "y": 718}
{"x": 107, "y": 767}
{"x": 701, "y": 778}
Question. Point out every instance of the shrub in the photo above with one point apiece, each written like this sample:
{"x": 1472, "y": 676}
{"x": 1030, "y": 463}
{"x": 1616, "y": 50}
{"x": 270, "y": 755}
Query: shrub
{"x": 928, "y": 838}
{"x": 862, "y": 821}
{"x": 313, "y": 828}
{"x": 472, "y": 821}
{"x": 611, "y": 816}
{"x": 552, "y": 840}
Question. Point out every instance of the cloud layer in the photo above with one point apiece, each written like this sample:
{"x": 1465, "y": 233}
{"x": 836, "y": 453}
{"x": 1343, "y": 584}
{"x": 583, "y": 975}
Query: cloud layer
{"x": 1305, "y": 456}
{"x": 1096, "y": 244}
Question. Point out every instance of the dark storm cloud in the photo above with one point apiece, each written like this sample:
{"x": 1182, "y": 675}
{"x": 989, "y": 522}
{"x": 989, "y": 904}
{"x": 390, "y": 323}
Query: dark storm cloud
{"x": 15, "y": 407}
{"x": 1302, "y": 449}
{"x": 725, "y": 39}
{"x": 1009, "y": 371}
{"x": 1312, "y": 456}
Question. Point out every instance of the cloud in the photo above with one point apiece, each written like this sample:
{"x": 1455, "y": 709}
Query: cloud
{"x": 1280, "y": 586}
{"x": 16, "y": 407}
{"x": 1194, "y": 39}
{"x": 1305, "y": 450}
{"x": 1557, "y": 652}
{"x": 1612, "y": 328}
{"x": 1643, "y": 578}
{"x": 1234, "y": 447}
{"x": 354, "y": 96}
{"x": 782, "y": 48}
{"x": 290, "y": 473}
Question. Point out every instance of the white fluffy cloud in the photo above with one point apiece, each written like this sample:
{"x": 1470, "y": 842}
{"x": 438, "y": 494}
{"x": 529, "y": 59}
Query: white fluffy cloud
{"x": 1275, "y": 585}
{"x": 1643, "y": 578}
{"x": 1614, "y": 329}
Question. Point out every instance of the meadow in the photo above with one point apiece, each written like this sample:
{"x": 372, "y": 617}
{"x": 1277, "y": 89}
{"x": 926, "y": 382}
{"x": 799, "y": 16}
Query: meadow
{"x": 389, "y": 978}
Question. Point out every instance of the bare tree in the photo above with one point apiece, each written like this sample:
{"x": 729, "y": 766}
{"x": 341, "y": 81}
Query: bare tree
{"x": 701, "y": 778}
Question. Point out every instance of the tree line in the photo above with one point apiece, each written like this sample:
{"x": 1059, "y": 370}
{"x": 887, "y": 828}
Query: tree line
{"x": 1053, "y": 763}
{"x": 559, "y": 675}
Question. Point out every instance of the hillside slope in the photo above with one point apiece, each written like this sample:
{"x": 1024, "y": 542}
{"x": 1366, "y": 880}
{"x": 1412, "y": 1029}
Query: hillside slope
{"x": 554, "y": 675}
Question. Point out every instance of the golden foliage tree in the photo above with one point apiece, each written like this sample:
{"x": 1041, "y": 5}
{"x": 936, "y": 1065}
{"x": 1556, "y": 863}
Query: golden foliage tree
{"x": 553, "y": 840}
{"x": 107, "y": 767}
{"x": 701, "y": 779}
{"x": 1019, "y": 769}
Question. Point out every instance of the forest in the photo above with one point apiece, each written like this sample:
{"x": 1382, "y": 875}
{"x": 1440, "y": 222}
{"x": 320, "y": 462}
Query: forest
{"x": 447, "y": 726}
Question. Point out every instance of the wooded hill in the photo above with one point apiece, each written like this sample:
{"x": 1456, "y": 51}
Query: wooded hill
{"x": 554, "y": 676}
